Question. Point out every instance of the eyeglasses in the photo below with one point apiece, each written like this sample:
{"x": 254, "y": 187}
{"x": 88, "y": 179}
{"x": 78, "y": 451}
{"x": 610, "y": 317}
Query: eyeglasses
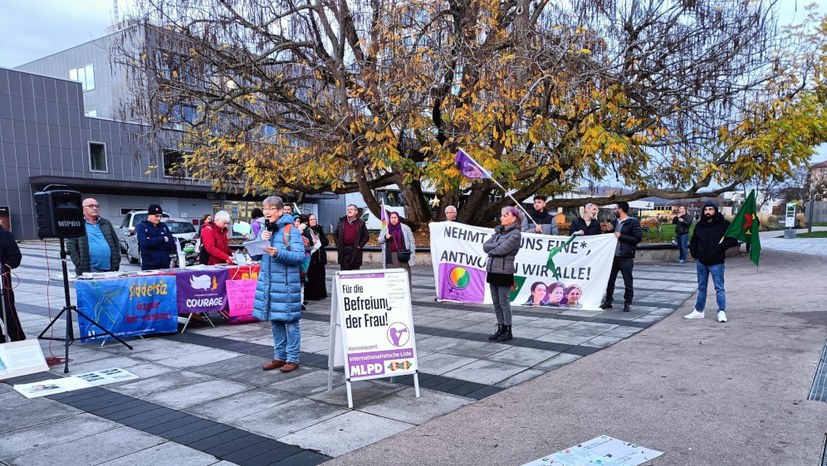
{"x": 93, "y": 206}
{"x": 270, "y": 208}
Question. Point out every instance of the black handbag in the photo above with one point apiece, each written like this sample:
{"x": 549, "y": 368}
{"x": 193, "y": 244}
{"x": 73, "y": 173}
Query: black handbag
{"x": 403, "y": 255}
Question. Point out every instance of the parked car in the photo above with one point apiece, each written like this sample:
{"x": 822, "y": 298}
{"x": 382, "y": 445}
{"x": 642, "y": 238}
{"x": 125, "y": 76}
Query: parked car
{"x": 127, "y": 227}
{"x": 180, "y": 228}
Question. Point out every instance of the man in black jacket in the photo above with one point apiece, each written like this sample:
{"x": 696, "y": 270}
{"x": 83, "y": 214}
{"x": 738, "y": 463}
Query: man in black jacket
{"x": 708, "y": 246}
{"x": 587, "y": 224}
{"x": 682, "y": 223}
{"x": 541, "y": 221}
{"x": 351, "y": 236}
{"x": 9, "y": 259}
{"x": 628, "y": 233}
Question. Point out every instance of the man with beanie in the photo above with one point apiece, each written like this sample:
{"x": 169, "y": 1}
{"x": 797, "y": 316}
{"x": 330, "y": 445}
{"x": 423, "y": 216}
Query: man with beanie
{"x": 628, "y": 232}
{"x": 708, "y": 246}
{"x": 154, "y": 240}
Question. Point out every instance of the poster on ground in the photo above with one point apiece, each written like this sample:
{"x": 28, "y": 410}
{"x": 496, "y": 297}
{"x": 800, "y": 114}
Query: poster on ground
{"x": 75, "y": 382}
{"x": 583, "y": 268}
{"x": 127, "y": 307}
{"x": 599, "y": 451}
{"x": 373, "y": 314}
{"x": 20, "y": 358}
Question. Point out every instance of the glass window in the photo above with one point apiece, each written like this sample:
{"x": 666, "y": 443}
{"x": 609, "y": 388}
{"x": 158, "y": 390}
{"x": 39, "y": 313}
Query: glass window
{"x": 97, "y": 157}
{"x": 173, "y": 163}
{"x": 85, "y": 75}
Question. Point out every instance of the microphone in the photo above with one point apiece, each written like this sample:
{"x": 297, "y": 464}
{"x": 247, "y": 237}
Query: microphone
{"x": 266, "y": 224}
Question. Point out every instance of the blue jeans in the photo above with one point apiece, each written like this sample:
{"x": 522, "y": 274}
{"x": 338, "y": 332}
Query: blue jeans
{"x": 717, "y": 272}
{"x": 287, "y": 340}
{"x": 683, "y": 246}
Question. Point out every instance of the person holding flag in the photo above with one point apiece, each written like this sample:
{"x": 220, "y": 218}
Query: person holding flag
{"x": 708, "y": 246}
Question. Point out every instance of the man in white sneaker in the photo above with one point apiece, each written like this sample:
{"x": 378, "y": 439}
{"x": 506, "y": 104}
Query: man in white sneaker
{"x": 708, "y": 246}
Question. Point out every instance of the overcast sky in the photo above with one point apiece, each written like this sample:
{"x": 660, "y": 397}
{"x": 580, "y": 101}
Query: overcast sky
{"x": 33, "y": 29}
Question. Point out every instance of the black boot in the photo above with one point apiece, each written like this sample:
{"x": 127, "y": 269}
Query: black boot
{"x": 506, "y": 335}
{"x": 496, "y": 335}
{"x": 606, "y": 304}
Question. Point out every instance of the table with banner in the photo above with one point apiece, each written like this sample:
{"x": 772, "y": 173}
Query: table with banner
{"x": 583, "y": 267}
{"x": 130, "y": 305}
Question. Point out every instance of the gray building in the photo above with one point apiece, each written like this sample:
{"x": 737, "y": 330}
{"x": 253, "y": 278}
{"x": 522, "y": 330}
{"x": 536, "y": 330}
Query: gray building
{"x": 45, "y": 139}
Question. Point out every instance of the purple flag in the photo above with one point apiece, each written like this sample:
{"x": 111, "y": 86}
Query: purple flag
{"x": 469, "y": 167}
{"x": 461, "y": 283}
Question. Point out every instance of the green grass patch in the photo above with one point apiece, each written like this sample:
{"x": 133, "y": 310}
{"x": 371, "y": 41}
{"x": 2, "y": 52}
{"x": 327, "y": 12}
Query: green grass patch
{"x": 815, "y": 234}
{"x": 662, "y": 233}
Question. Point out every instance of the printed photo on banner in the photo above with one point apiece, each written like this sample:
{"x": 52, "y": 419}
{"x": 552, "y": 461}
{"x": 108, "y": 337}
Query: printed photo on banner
{"x": 577, "y": 280}
{"x": 377, "y": 325}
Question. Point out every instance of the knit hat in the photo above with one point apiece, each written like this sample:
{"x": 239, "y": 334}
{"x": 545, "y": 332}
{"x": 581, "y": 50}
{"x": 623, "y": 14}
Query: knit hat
{"x": 711, "y": 204}
{"x": 155, "y": 209}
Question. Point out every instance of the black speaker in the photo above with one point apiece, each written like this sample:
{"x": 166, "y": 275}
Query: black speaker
{"x": 59, "y": 212}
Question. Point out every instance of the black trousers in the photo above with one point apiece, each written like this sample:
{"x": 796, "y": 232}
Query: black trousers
{"x": 12, "y": 322}
{"x": 624, "y": 265}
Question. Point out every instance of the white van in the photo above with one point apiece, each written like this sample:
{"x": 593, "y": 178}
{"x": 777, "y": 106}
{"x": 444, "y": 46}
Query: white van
{"x": 373, "y": 222}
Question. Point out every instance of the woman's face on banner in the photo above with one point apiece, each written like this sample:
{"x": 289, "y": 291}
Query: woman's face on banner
{"x": 539, "y": 293}
{"x": 556, "y": 295}
{"x": 574, "y": 296}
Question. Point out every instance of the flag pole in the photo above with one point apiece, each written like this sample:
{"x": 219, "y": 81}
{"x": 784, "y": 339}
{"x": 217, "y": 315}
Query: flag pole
{"x": 519, "y": 205}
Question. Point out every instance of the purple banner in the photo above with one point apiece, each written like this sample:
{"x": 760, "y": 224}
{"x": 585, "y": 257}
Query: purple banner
{"x": 461, "y": 283}
{"x": 372, "y": 363}
{"x": 202, "y": 291}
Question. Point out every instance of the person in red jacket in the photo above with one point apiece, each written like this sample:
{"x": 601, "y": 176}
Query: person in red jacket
{"x": 215, "y": 242}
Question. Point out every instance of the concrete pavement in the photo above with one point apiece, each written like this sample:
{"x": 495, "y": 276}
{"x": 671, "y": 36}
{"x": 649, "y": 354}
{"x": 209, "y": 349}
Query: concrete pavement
{"x": 568, "y": 377}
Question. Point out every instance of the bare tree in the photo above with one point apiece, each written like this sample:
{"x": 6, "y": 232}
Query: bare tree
{"x": 667, "y": 97}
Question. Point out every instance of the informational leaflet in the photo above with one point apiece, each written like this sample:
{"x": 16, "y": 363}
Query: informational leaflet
{"x": 76, "y": 382}
{"x": 599, "y": 451}
{"x": 256, "y": 248}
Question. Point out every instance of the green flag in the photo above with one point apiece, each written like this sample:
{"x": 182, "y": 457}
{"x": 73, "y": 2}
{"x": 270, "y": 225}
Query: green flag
{"x": 550, "y": 263}
{"x": 744, "y": 227}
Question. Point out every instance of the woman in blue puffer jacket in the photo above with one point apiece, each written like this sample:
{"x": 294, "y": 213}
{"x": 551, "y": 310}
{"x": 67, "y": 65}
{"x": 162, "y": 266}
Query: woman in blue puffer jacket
{"x": 278, "y": 291}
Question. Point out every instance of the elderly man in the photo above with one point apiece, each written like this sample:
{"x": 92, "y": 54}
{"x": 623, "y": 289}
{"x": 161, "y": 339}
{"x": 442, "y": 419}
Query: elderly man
{"x": 451, "y": 213}
{"x": 99, "y": 250}
{"x": 540, "y": 221}
{"x": 587, "y": 224}
{"x": 351, "y": 236}
{"x": 154, "y": 240}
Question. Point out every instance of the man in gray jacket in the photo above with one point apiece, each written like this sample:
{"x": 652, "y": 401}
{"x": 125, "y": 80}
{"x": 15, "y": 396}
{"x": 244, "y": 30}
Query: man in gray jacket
{"x": 541, "y": 221}
{"x": 99, "y": 250}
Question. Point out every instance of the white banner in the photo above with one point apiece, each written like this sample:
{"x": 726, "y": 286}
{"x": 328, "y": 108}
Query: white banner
{"x": 583, "y": 267}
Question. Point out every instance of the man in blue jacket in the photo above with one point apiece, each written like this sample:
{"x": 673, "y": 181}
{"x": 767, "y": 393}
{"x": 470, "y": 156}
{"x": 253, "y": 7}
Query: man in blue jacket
{"x": 628, "y": 233}
{"x": 154, "y": 240}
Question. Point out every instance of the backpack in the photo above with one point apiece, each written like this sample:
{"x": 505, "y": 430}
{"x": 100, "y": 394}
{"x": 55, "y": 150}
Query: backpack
{"x": 306, "y": 262}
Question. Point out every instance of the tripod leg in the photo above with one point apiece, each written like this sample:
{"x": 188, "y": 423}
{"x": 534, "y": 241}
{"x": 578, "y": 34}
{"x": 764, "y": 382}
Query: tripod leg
{"x": 105, "y": 331}
{"x": 40, "y": 337}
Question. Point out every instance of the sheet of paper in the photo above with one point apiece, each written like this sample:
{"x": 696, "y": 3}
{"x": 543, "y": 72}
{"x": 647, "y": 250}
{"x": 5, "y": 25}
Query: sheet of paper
{"x": 256, "y": 248}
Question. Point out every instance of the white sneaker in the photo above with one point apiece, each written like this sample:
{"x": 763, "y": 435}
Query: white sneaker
{"x": 694, "y": 315}
{"x": 722, "y": 317}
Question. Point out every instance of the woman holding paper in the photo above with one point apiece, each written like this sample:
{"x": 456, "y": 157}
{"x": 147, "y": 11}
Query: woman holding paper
{"x": 278, "y": 290}
{"x": 397, "y": 241}
{"x": 315, "y": 287}
{"x": 502, "y": 248}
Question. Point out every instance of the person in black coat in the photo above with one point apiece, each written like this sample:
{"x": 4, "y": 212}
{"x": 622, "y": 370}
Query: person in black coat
{"x": 708, "y": 246}
{"x": 10, "y": 258}
{"x": 629, "y": 234}
{"x": 682, "y": 223}
{"x": 587, "y": 224}
{"x": 155, "y": 241}
{"x": 316, "y": 286}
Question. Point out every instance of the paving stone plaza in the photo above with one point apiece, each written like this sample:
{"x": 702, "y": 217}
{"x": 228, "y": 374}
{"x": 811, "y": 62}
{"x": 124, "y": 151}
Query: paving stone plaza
{"x": 202, "y": 397}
